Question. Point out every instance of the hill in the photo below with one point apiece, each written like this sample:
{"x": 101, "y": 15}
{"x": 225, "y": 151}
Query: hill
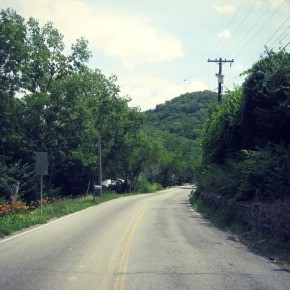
{"x": 183, "y": 115}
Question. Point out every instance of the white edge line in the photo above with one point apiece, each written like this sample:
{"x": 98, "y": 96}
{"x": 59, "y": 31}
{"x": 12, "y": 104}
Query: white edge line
{"x": 44, "y": 225}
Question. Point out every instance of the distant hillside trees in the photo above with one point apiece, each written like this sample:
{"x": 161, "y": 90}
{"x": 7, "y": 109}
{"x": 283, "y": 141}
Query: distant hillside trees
{"x": 183, "y": 115}
{"x": 178, "y": 125}
{"x": 246, "y": 151}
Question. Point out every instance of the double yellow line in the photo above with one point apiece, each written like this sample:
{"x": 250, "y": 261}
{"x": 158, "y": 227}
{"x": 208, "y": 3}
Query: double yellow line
{"x": 115, "y": 274}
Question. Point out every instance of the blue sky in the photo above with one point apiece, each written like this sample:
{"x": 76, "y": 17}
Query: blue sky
{"x": 159, "y": 49}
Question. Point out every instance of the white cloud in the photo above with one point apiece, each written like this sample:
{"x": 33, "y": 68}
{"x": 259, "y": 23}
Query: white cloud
{"x": 226, "y": 33}
{"x": 225, "y": 8}
{"x": 278, "y": 2}
{"x": 197, "y": 86}
{"x": 259, "y": 3}
{"x": 125, "y": 37}
{"x": 135, "y": 43}
{"x": 147, "y": 91}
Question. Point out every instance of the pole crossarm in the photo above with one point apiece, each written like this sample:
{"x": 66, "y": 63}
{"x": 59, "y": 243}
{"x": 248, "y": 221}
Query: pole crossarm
{"x": 220, "y": 60}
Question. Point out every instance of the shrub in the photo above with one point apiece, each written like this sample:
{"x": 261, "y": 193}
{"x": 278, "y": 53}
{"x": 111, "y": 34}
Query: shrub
{"x": 262, "y": 174}
{"x": 144, "y": 186}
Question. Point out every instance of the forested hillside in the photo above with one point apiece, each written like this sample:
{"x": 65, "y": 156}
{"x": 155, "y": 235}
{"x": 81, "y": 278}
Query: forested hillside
{"x": 179, "y": 123}
{"x": 184, "y": 115}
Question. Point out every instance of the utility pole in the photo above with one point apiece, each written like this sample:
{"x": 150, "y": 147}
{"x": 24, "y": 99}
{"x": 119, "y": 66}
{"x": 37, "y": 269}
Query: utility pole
{"x": 98, "y": 187}
{"x": 100, "y": 165}
{"x": 219, "y": 75}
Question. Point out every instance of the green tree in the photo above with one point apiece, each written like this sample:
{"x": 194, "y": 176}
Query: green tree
{"x": 266, "y": 114}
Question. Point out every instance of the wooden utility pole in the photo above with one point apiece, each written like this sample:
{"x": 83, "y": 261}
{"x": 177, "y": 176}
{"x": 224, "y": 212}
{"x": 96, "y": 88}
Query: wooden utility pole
{"x": 219, "y": 75}
{"x": 100, "y": 165}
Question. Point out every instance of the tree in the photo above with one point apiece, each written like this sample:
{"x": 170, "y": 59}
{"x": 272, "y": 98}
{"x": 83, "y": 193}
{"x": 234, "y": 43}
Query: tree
{"x": 266, "y": 114}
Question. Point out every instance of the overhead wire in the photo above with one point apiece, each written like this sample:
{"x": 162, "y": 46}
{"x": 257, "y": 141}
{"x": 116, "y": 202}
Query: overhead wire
{"x": 285, "y": 46}
{"x": 269, "y": 39}
{"x": 277, "y": 30}
{"x": 280, "y": 38}
{"x": 251, "y": 34}
{"x": 238, "y": 28}
{"x": 232, "y": 19}
{"x": 271, "y": 16}
{"x": 250, "y": 30}
{"x": 191, "y": 76}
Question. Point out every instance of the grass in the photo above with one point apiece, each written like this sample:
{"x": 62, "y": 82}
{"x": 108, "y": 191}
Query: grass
{"x": 259, "y": 243}
{"x": 16, "y": 221}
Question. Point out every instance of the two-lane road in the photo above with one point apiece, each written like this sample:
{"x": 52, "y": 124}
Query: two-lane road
{"x": 150, "y": 241}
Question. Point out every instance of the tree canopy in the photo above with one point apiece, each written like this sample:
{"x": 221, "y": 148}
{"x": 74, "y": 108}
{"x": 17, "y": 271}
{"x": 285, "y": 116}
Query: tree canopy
{"x": 53, "y": 102}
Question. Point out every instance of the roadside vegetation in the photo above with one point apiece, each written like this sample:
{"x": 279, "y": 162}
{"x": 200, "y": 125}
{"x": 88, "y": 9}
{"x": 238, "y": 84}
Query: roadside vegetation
{"x": 17, "y": 216}
{"x": 246, "y": 142}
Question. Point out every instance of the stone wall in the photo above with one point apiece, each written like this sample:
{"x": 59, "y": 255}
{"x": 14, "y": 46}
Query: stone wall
{"x": 270, "y": 218}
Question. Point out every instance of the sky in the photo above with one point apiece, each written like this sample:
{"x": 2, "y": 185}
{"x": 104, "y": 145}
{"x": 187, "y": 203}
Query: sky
{"x": 159, "y": 49}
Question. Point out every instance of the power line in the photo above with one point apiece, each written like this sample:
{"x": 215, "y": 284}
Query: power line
{"x": 191, "y": 76}
{"x": 285, "y": 46}
{"x": 277, "y": 30}
{"x": 249, "y": 12}
{"x": 280, "y": 38}
{"x": 252, "y": 27}
{"x": 259, "y": 29}
{"x": 269, "y": 40}
{"x": 241, "y": 3}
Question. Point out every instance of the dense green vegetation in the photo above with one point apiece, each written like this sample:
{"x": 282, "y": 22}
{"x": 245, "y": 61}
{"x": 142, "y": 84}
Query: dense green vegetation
{"x": 184, "y": 115}
{"x": 178, "y": 124}
{"x": 246, "y": 152}
{"x": 51, "y": 101}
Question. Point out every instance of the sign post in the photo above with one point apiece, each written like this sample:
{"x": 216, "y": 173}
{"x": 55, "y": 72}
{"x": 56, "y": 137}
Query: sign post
{"x": 97, "y": 190}
{"x": 41, "y": 169}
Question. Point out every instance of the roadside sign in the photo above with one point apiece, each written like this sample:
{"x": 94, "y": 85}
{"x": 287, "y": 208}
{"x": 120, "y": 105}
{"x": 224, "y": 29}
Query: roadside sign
{"x": 41, "y": 163}
{"x": 41, "y": 169}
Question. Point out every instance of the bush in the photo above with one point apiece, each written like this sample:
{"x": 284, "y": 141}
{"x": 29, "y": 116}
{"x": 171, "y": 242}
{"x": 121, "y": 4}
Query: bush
{"x": 144, "y": 186}
{"x": 262, "y": 174}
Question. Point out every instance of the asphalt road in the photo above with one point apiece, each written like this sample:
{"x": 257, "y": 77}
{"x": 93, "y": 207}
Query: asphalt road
{"x": 150, "y": 241}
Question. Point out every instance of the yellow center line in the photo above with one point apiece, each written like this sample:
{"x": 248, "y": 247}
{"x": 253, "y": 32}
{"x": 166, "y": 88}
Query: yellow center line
{"x": 119, "y": 260}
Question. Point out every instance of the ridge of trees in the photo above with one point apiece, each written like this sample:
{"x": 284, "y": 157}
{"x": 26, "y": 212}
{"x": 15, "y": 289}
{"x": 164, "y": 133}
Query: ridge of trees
{"x": 184, "y": 115}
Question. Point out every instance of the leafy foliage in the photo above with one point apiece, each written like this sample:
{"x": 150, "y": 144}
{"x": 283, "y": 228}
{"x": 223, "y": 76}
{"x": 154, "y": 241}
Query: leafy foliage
{"x": 246, "y": 143}
{"x": 183, "y": 115}
{"x": 266, "y": 112}
{"x": 176, "y": 128}
{"x": 53, "y": 102}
